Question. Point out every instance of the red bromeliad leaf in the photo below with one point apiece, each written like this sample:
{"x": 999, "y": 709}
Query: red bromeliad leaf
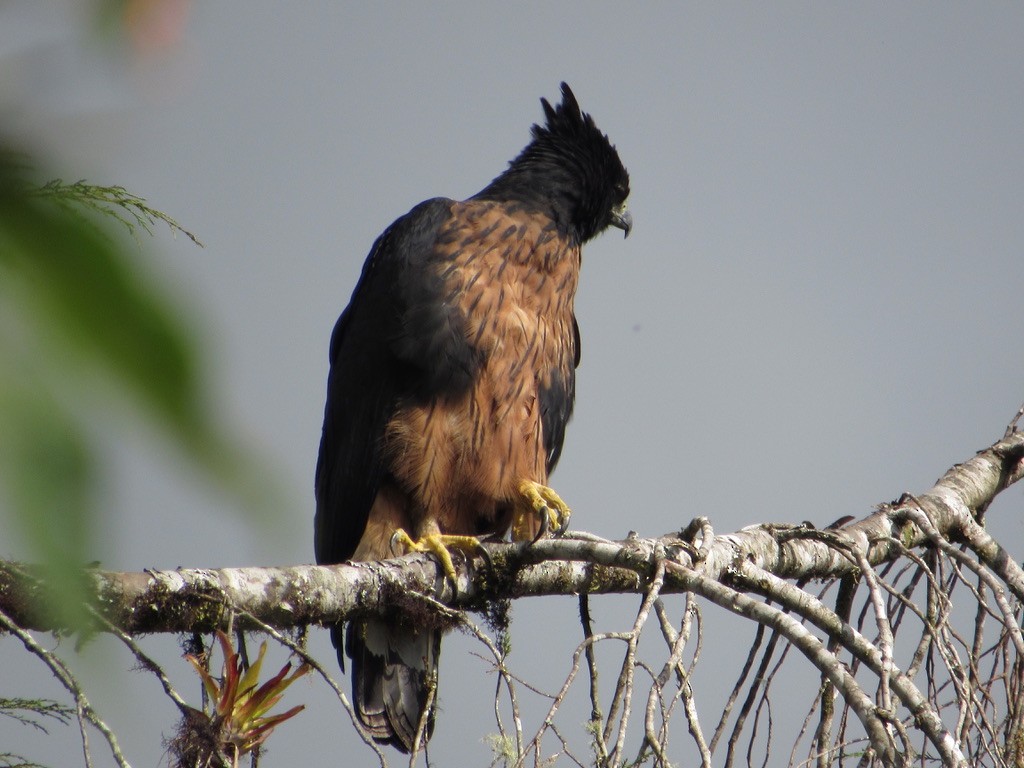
{"x": 241, "y": 704}
{"x": 259, "y": 734}
{"x": 250, "y": 679}
{"x": 212, "y": 689}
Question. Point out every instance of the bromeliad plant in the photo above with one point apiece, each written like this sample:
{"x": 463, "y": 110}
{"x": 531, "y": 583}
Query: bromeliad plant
{"x": 240, "y": 721}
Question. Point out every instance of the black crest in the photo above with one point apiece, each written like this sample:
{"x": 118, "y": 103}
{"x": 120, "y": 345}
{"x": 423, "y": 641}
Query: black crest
{"x": 569, "y": 170}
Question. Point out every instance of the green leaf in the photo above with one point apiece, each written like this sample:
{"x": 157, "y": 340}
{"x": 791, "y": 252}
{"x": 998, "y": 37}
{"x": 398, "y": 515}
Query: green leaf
{"x": 212, "y": 689}
{"x": 80, "y": 312}
{"x": 82, "y": 293}
{"x": 49, "y": 477}
{"x": 251, "y": 676}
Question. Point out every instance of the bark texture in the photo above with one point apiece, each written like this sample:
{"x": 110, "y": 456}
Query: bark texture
{"x": 200, "y": 599}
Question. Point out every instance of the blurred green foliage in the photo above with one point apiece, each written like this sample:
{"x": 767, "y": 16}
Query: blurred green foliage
{"x": 78, "y": 312}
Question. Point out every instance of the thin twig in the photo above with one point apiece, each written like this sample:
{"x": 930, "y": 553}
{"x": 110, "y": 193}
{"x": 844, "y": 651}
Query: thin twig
{"x": 600, "y": 745}
{"x": 566, "y": 685}
{"x": 63, "y": 674}
{"x": 885, "y": 638}
{"x": 301, "y": 652}
{"x": 623, "y": 695}
{"x": 755, "y": 646}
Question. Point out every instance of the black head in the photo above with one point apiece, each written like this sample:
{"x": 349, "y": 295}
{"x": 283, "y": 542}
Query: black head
{"x": 569, "y": 170}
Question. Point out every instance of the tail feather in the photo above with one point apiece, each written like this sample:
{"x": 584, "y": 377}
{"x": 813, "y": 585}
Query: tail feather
{"x": 394, "y": 676}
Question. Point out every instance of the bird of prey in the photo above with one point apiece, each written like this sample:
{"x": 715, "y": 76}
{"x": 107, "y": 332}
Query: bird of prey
{"x": 452, "y": 378}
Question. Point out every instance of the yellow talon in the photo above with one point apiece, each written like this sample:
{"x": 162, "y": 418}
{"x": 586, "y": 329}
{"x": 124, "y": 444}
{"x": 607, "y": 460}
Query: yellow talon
{"x": 541, "y": 501}
{"x": 438, "y": 545}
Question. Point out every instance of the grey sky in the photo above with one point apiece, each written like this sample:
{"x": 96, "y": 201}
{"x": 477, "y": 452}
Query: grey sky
{"x": 819, "y": 306}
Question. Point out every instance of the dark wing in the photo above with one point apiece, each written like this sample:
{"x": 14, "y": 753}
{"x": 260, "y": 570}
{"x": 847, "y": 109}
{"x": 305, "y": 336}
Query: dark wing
{"x": 396, "y": 340}
{"x": 556, "y": 402}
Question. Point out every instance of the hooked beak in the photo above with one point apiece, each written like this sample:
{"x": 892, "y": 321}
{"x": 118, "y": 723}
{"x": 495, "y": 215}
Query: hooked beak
{"x": 622, "y": 219}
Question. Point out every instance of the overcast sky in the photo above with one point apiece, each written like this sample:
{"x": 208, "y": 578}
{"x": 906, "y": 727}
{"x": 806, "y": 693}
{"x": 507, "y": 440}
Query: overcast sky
{"x": 819, "y": 306}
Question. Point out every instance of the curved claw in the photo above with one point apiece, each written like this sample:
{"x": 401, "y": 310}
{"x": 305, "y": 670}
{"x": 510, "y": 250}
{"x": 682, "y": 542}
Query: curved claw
{"x": 486, "y": 557}
{"x": 438, "y": 545}
{"x": 400, "y": 537}
{"x": 563, "y": 525}
{"x": 545, "y": 524}
{"x": 537, "y": 499}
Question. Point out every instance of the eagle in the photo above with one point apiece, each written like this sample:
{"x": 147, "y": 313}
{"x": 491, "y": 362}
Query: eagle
{"x": 452, "y": 379}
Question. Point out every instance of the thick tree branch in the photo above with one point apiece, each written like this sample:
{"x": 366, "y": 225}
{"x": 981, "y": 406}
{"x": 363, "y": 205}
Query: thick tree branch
{"x": 759, "y": 573}
{"x": 186, "y": 600}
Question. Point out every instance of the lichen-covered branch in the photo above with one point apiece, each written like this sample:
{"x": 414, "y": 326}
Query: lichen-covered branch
{"x": 934, "y": 541}
{"x": 197, "y": 599}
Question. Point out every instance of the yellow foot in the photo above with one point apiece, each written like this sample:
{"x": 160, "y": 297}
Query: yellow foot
{"x": 539, "y": 500}
{"x": 438, "y": 544}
